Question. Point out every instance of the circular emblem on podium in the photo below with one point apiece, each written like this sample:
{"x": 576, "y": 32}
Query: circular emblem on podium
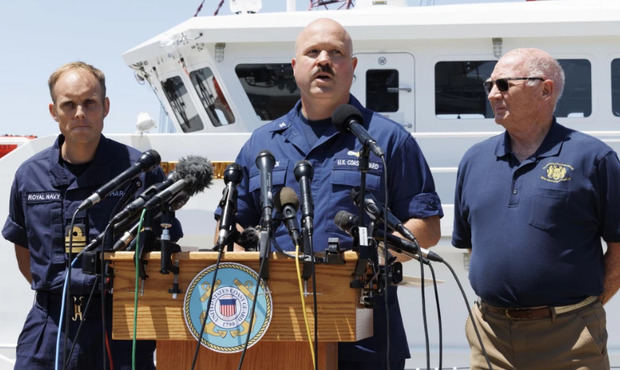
{"x": 228, "y": 319}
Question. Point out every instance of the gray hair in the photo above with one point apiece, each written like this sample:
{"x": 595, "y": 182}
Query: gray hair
{"x": 538, "y": 63}
{"x": 549, "y": 68}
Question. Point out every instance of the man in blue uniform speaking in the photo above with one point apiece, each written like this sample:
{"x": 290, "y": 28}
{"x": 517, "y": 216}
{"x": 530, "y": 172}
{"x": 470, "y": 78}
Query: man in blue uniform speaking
{"x": 47, "y": 190}
{"x": 532, "y": 205}
{"x": 323, "y": 68}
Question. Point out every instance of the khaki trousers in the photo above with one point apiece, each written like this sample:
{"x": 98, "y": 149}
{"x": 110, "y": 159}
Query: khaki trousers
{"x": 573, "y": 340}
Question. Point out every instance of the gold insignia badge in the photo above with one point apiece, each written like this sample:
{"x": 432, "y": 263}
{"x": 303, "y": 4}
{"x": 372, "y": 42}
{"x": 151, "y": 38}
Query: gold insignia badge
{"x": 557, "y": 172}
{"x": 78, "y": 240}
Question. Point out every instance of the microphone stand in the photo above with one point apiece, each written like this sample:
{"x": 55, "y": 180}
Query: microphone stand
{"x": 363, "y": 168}
{"x": 264, "y": 246}
{"x": 361, "y": 240}
{"x": 146, "y": 239}
{"x": 167, "y": 249}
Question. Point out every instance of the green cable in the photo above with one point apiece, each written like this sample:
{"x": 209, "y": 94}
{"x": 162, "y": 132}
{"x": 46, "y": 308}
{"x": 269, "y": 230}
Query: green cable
{"x": 135, "y": 295}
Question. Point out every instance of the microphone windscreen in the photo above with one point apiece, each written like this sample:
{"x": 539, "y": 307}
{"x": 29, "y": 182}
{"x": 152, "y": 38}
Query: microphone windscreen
{"x": 286, "y": 196}
{"x": 196, "y": 171}
{"x": 343, "y": 115}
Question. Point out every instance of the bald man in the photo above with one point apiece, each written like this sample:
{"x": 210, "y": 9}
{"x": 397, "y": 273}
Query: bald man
{"x": 532, "y": 205}
{"x": 323, "y": 67}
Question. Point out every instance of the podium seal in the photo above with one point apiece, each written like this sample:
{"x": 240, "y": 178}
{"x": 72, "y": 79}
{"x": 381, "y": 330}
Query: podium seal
{"x": 228, "y": 319}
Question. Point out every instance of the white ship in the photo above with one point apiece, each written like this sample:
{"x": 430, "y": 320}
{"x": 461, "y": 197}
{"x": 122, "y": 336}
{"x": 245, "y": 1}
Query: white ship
{"x": 219, "y": 78}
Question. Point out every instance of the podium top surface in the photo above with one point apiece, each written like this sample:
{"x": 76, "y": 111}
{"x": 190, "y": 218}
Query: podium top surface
{"x": 209, "y": 256}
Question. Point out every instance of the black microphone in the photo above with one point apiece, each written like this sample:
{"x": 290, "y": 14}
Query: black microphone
{"x": 232, "y": 177}
{"x": 287, "y": 204}
{"x": 128, "y": 236}
{"x": 347, "y": 222}
{"x": 347, "y": 118}
{"x": 304, "y": 173}
{"x": 265, "y": 162}
{"x": 185, "y": 168}
{"x": 176, "y": 203}
{"x": 248, "y": 239}
{"x": 375, "y": 210}
{"x": 147, "y": 161}
{"x": 137, "y": 204}
{"x": 198, "y": 172}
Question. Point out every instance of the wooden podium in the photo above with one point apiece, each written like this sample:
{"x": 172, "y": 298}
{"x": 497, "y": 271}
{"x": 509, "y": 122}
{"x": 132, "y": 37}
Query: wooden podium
{"x": 284, "y": 345}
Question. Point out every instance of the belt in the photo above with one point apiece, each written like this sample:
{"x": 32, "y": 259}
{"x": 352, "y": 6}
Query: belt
{"x": 534, "y": 313}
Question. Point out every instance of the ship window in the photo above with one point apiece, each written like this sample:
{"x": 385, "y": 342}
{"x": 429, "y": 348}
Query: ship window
{"x": 615, "y": 86}
{"x": 576, "y": 101}
{"x": 458, "y": 89}
{"x": 382, "y": 90}
{"x": 459, "y": 93}
{"x": 271, "y": 88}
{"x": 212, "y": 97}
{"x": 181, "y": 104}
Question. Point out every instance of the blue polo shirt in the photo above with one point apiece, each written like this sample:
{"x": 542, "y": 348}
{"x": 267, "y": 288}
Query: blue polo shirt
{"x": 535, "y": 227}
{"x": 44, "y": 196}
{"x": 334, "y": 157}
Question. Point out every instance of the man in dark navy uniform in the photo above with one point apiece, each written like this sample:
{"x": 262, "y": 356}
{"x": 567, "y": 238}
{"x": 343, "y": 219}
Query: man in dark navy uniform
{"x": 47, "y": 190}
{"x": 323, "y": 67}
{"x": 532, "y": 205}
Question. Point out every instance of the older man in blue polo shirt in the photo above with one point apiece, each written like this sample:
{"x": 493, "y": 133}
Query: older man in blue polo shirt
{"x": 532, "y": 205}
{"x": 323, "y": 68}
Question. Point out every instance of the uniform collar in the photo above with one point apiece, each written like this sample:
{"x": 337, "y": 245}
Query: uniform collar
{"x": 287, "y": 127}
{"x": 96, "y": 173}
{"x": 550, "y": 147}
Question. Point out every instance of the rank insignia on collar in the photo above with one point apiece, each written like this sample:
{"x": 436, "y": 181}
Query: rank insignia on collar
{"x": 282, "y": 125}
{"x": 557, "y": 172}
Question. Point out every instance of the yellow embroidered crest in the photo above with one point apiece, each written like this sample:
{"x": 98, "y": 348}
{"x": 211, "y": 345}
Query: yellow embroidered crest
{"x": 556, "y": 172}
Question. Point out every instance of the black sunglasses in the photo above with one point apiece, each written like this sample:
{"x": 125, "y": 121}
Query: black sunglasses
{"x": 502, "y": 83}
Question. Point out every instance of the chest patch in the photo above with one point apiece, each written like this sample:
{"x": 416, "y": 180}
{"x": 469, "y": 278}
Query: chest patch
{"x": 557, "y": 172}
{"x": 43, "y": 197}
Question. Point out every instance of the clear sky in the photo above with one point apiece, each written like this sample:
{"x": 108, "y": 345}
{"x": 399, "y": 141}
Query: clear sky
{"x": 37, "y": 36}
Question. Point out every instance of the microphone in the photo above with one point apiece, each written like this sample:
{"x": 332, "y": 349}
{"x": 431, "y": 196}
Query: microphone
{"x": 137, "y": 204}
{"x": 198, "y": 172}
{"x": 248, "y": 239}
{"x": 347, "y": 118}
{"x": 185, "y": 168}
{"x": 287, "y": 203}
{"x": 127, "y": 237}
{"x": 265, "y": 162}
{"x": 232, "y": 177}
{"x": 304, "y": 173}
{"x": 347, "y": 222}
{"x": 375, "y": 210}
{"x": 147, "y": 161}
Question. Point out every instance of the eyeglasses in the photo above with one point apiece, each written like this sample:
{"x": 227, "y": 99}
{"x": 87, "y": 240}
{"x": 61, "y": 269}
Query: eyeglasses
{"x": 502, "y": 83}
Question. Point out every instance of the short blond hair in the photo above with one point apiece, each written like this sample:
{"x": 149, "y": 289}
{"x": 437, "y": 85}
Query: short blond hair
{"x": 51, "y": 82}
